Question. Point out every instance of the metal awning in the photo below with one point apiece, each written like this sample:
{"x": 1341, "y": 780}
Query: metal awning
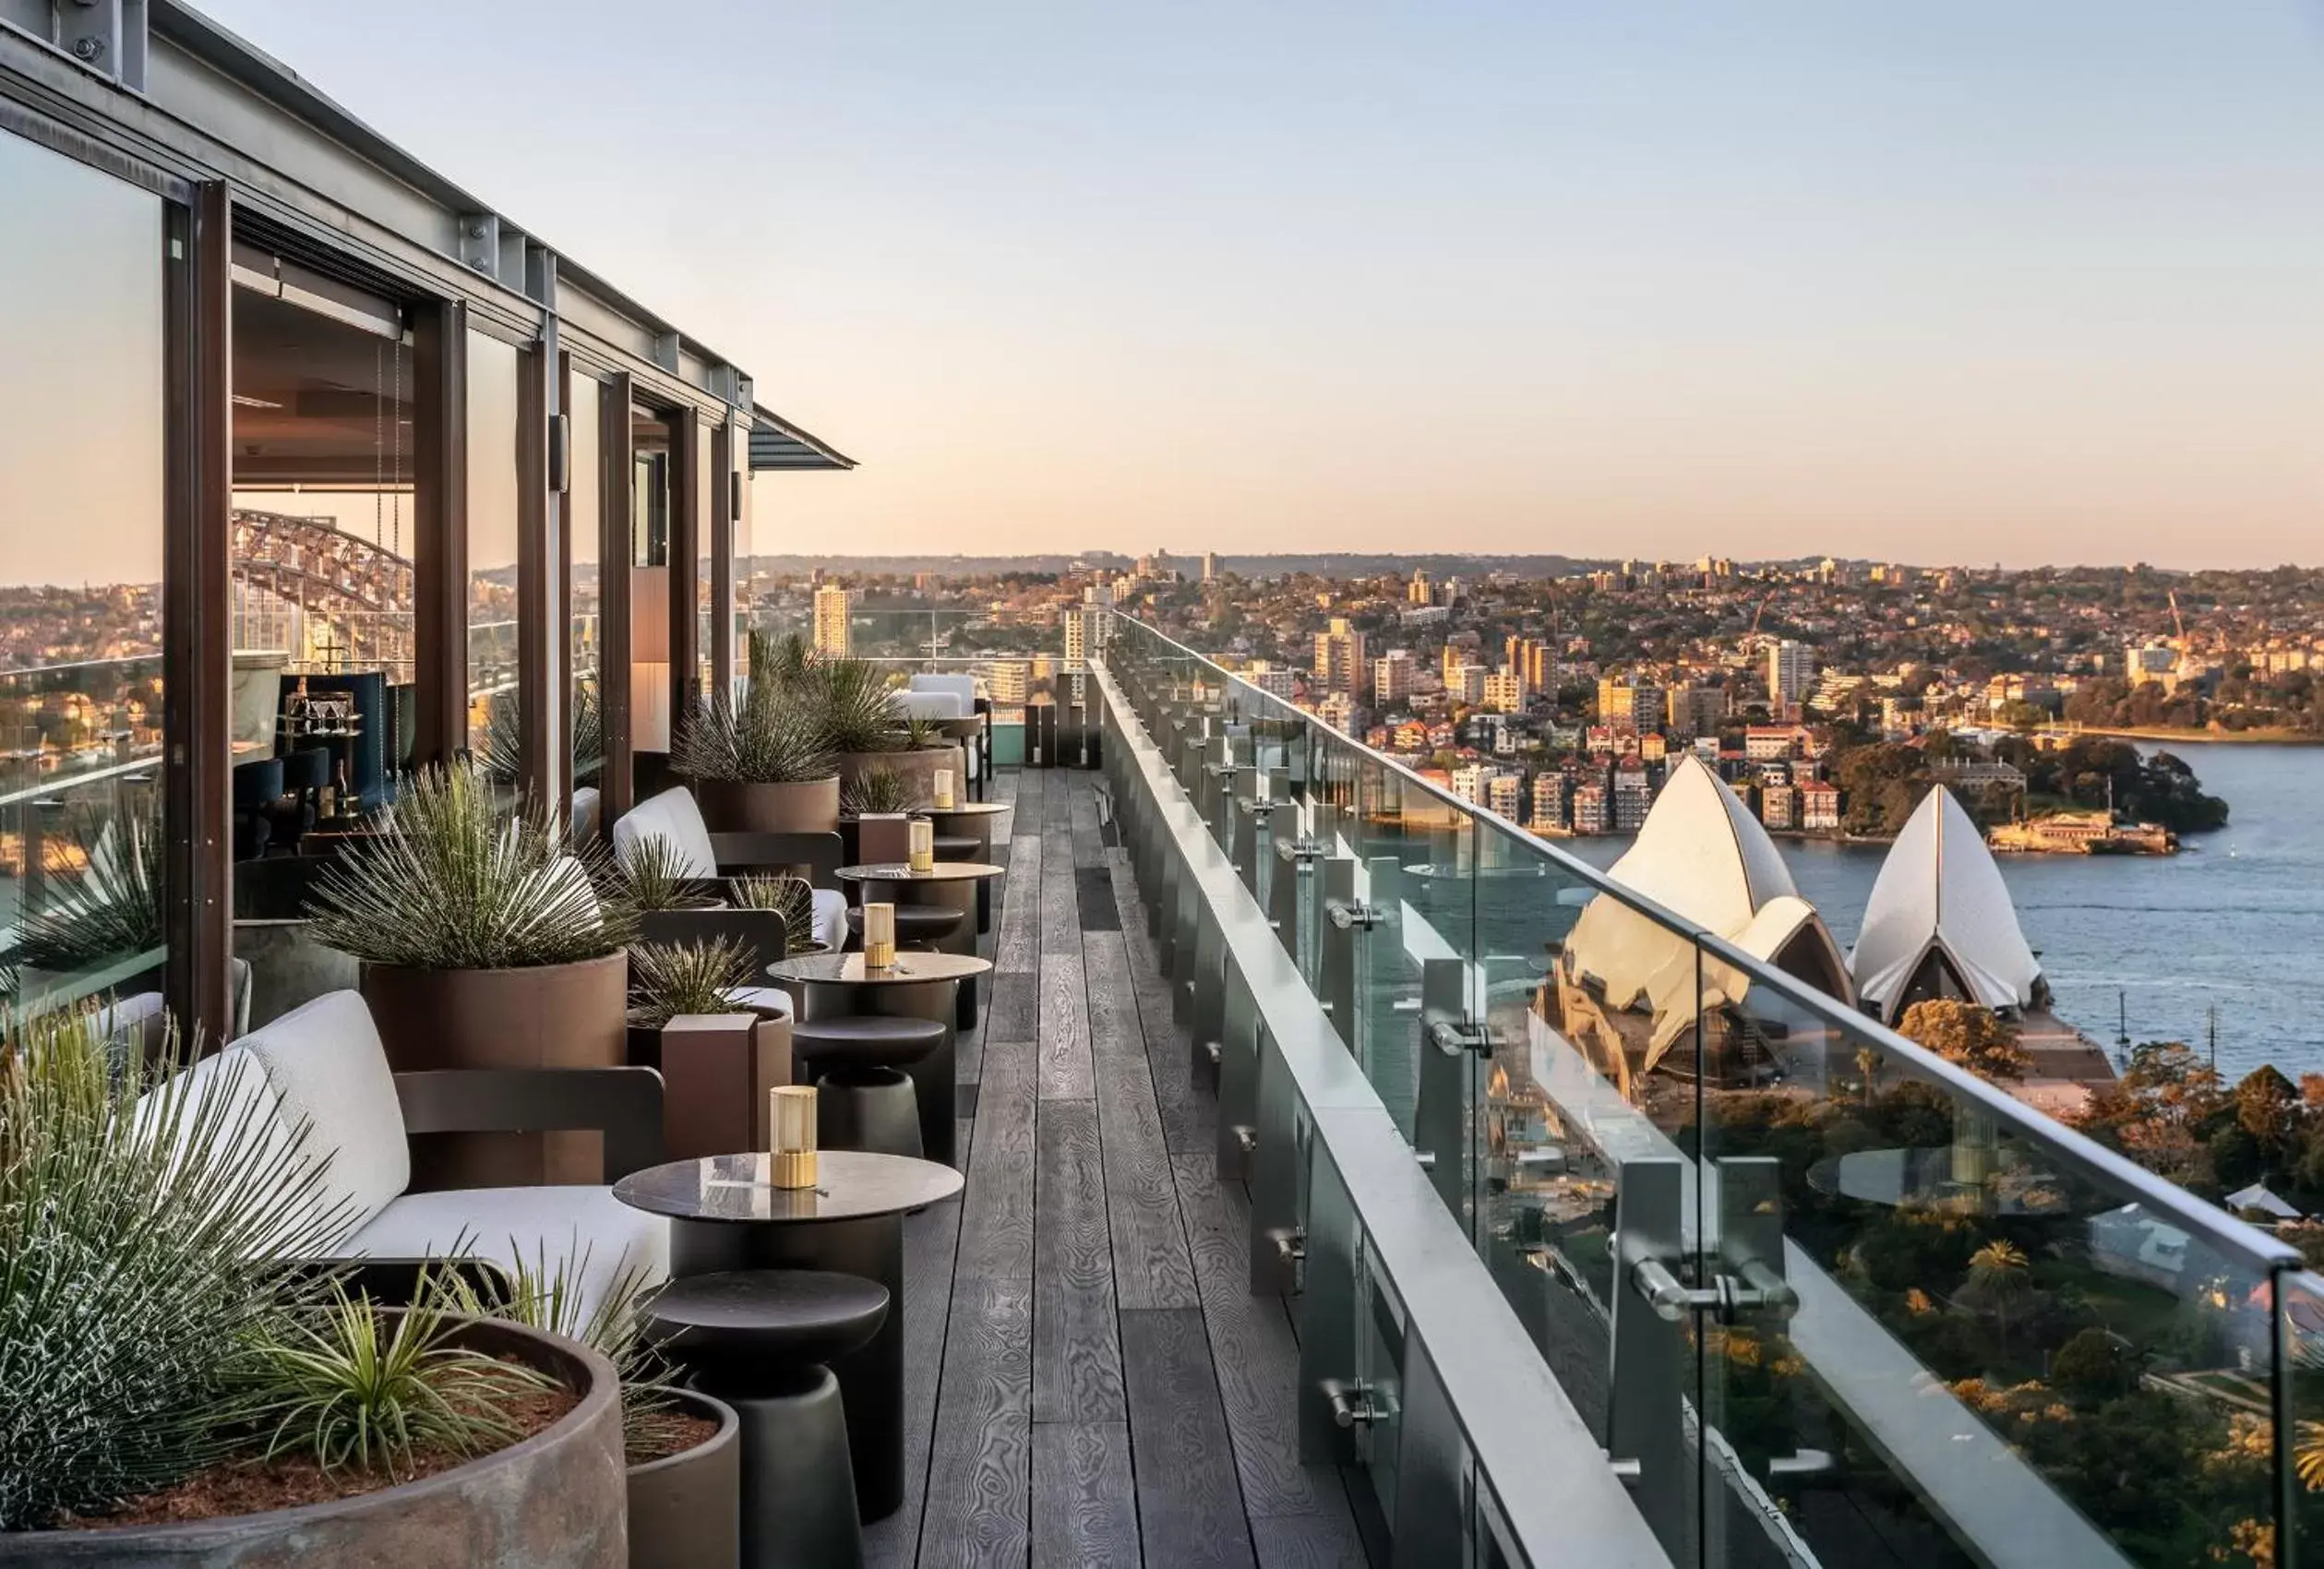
{"x": 776, "y": 443}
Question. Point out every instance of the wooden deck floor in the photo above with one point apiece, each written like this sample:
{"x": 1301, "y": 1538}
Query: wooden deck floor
{"x": 1089, "y": 1380}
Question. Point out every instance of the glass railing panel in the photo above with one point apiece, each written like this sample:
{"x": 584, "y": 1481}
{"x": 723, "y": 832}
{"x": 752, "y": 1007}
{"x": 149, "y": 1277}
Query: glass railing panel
{"x": 80, "y": 870}
{"x": 1991, "y": 1339}
{"x": 2299, "y": 1367}
{"x": 1551, "y": 1118}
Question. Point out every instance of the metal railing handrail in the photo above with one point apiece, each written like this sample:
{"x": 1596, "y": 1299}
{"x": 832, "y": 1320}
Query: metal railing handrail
{"x": 2163, "y": 1199}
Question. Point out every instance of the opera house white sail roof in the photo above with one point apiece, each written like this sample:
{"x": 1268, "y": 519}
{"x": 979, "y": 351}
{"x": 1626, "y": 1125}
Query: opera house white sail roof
{"x": 1702, "y": 855}
{"x": 1940, "y": 915}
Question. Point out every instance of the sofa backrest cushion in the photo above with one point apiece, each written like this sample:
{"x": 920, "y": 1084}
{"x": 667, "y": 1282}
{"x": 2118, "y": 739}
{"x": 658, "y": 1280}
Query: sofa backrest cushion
{"x": 931, "y": 705}
{"x": 324, "y": 1062}
{"x": 961, "y": 686}
{"x": 673, "y": 815}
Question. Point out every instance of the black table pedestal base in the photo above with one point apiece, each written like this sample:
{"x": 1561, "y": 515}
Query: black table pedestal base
{"x": 870, "y": 1379}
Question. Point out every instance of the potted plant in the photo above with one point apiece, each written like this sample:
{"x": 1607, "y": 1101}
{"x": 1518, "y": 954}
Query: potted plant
{"x": 790, "y": 896}
{"x": 852, "y": 706}
{"x": 172, "y": 1389}
{"x": 683, "y": 1448}
{"x": 758, "y": 766}
{"x": 484, "y": 944}
{"x": 669, "y": 979}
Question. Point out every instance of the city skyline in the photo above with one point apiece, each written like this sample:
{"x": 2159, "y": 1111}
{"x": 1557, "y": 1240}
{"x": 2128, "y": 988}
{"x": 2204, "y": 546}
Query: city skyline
{"x": 1664, "y": 281}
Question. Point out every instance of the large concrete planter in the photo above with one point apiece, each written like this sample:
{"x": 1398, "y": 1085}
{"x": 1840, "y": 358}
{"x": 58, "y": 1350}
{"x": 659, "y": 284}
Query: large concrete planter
{"x": 554, "y": 1501}
{"x": 686, "y": 1510}
{"x": 804, "y": 806}
{"x": 288, "y": 967}
{"x": 543, "y": 1016}
{"x": 916, "y": 768}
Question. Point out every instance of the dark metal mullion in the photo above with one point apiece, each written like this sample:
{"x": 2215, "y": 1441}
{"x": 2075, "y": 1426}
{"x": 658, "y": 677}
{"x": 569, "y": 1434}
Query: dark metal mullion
{"x": 616, "y": 502}
{"x": 198, "y": 613}
{"x": 722, "y": 556}
{"x": 439, "y": 631}
{"x": 686, "y": 526}
{"x": 540, "y": 561}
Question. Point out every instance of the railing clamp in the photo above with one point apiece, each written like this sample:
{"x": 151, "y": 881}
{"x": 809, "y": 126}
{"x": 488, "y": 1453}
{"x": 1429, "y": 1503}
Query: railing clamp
{"x": 1290, "y": 1244}
{"x": 1355, "y": 917}
{"x": 1247, "y": 1136}
{"x": 1302, "y": 851}
{"x": 1757, "y": 1289}
{"x": 1453, "y": 1036}
{"x": 1261, "y": 808}
{"x": 1212, "y": 1050}
{"x": 1352, "y": 1403}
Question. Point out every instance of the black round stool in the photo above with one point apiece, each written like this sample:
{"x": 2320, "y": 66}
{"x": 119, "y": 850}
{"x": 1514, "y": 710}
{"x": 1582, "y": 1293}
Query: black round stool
{"x": 758, "y": 1340}
{"x": 864, "y": 1099}
{"x": 916, "y": 926}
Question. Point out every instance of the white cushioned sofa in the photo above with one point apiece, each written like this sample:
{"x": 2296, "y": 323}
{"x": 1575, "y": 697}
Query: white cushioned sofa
{"x": 673, "y": 818}
{"x": 318, "y": 1076}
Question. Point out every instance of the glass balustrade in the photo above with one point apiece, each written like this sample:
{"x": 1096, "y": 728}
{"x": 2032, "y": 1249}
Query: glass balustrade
{"x": 1826, "y": 1296}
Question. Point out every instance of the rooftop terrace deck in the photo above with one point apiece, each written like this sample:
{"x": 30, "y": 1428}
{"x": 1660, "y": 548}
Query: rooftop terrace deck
{"x": 1090, "y": 1381}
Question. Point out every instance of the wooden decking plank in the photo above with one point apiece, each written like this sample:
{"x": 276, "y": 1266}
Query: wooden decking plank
{"x": 1061, "y": 906}
{"x": 980, "y": 1471}
{"x": 1308, "y": 1541}
{"x": 1189, "y": 1114}
{"x": 1190, "y": 1512}
{"x": 1017, "y": 936}
{"x": 1076, "y": 1359}
{"x": 1011, "y": 1006}
{"x": 1066, "y": 1072}
{"x": 1256, "y": 1353}
{"x": 930, "y": 1240}
{"x": 1152, "y": 1265}
{"x": 995, "y": 1225}
{"x": 1084, "y": 1511}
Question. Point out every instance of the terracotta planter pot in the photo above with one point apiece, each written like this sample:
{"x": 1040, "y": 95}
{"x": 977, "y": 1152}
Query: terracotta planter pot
{"x": 553, "y": 1502}
{"x": 686, "y": 1510}
{"x": 805, "y": 806}
{"x": 544, "y": 1016}
{"x": 917, "y": 770}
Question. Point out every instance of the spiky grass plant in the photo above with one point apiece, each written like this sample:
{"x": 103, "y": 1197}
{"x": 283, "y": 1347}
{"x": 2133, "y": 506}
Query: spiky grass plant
{"x": 143, "y": 1215}
{"x": 546, "y": 1295}
{"x": 110, "y": 910}
{"x": 877, "y": 789}
{"x": 851, "y": 705}
{"x": 670, "y": 978}
{"x": 791, "y": 897}
{"x": 454, "y": 881}
{"x": 652, "y": 873}
{"x": 767, "y": 737}
{"x": 343, "y": 1383}
{"x": 921, "y": 734}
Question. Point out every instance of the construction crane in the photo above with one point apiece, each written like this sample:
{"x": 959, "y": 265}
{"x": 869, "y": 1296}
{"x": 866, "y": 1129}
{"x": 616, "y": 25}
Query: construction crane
{"x": 2176, "y": 619}
{"x": 1757, "y": 614}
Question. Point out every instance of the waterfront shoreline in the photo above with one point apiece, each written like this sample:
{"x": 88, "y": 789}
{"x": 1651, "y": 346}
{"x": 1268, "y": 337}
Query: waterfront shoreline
{"x": 2160, "y": 733}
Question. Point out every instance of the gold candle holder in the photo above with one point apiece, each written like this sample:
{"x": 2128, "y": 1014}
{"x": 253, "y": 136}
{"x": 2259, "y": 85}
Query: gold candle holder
{"x": 940, "y": 789}
{"x": 791, "y": 1116}
{"x": 922, "y": 840}
{"x": 878, "y": 936}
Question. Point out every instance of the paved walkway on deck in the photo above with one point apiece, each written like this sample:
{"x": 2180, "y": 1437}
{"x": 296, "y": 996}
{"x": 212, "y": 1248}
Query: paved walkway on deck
{"x": 1089, "y": 1381}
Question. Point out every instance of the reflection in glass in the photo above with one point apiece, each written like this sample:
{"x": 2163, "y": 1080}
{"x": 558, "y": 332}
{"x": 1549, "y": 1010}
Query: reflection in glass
{"x": 740, "y": 609}
{"x": 82, "y": 504}
{"x": 492, "y": 553}
{"x": 706, "y": 505}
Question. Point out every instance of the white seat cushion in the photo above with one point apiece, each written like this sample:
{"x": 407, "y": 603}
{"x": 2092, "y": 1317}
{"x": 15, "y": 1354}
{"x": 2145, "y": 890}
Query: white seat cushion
{"x": 584, "y": 824}
{"x": 325, "y": 1060}
{"x": 672, "y": 816}
{"x": 771, "y": 999}
{"x": 831, "y": 918}
{"x": 537, "y": 1227}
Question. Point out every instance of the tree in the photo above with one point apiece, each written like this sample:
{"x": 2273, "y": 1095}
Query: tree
{"x": 1977, "y": 1039}
{"x": 2096, "y": 1365}
{"x": 2268, "y": 1107}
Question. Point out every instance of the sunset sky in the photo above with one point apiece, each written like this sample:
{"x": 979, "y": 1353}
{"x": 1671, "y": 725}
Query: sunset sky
{"x": 1984, "y": 281}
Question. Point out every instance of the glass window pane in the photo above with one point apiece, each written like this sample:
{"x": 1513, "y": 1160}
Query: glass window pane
{"x": 582, "y": 516}
{"x": 81, "y": 508}
{"x": 491, "y": 551}
{"x": 743, "y": 597}
{"x": 707, "y": 503}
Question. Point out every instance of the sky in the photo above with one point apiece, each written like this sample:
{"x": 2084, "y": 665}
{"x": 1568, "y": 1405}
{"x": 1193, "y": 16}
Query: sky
{"x": 1974, "y": 281}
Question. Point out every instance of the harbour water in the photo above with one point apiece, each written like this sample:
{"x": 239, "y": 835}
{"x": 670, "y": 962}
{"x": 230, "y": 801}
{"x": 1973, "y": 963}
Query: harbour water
{"x": 2235, "y": 921}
